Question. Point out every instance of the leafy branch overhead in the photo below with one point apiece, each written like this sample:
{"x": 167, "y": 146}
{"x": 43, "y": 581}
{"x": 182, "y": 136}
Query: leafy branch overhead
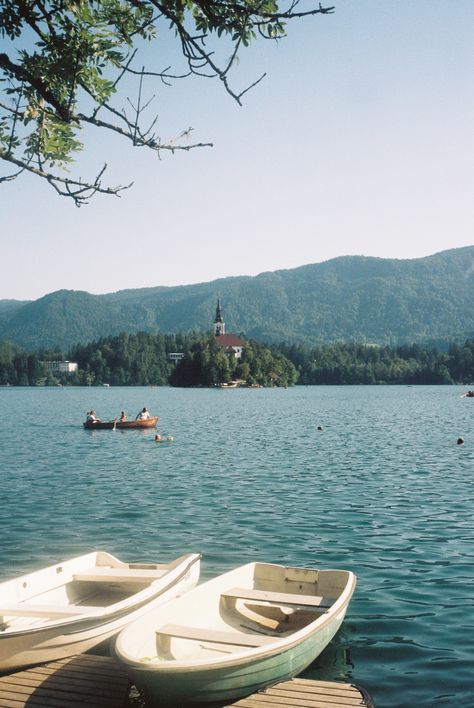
{"x": 67, "y": 64}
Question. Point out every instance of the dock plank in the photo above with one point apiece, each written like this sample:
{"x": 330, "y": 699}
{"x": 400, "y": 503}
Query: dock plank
{"x": 99, "y": 682}
{"x": 23, "y": 685}
{"x": 342, "y": 697}
{"x": 306, "y": 693}
{"x": 75, "y": 682}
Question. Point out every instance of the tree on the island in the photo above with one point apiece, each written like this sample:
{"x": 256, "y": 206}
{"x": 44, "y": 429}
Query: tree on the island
{"x": 63, "y": 64}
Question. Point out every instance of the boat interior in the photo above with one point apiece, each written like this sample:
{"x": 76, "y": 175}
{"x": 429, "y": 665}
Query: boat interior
{"x": 92, "y": 586}
{"x": 248, "y": 608}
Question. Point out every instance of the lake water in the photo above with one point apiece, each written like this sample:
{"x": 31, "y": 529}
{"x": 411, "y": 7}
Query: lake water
{"x": 383, "y": 491}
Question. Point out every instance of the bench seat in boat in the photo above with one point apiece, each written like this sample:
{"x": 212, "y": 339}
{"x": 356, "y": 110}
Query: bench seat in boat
{"x": 119, "y": 575}
{"x": 280, "y": 598}
{"x": 214, "y": 636}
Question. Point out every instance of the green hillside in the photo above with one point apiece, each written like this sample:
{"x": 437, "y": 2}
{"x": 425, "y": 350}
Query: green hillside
{"x": 352, "y": 298}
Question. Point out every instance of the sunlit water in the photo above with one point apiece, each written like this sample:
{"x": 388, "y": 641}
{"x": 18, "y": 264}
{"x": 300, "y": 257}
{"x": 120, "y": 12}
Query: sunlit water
{"x": 383, "y": 491}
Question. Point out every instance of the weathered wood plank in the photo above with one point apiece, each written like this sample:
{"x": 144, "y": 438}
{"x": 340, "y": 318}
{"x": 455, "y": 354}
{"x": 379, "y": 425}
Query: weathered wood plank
{"x": 97, "y": 681}
{"x": 11, "y": 703}
{"x": 299, "y": 699}
{"x": 308, "y": 683}
{"x": 306, "y": 693}
{"x": 75, "y": 682}
{"x": 268, "y": 703}
{"x": 47, "y": 696}
{"x": 260, "y": 701}
{"x": 24, "y": 685}
{"x": 348, "y": 697}
{"x": 46, "y": 670}
{"x": 316, "y": 687}
{"x": 74, "y": 665}
{"x": 305, "y": 702}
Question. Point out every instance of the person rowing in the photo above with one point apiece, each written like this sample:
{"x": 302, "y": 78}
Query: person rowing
{"x": 144, "y": 414}
{"x": 91, "y": 417}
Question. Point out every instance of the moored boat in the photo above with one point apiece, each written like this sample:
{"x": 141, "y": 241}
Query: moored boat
{"x": 121, "y": 424}
{"x": 227, "y": 638}
{"x": 70, "y": 607}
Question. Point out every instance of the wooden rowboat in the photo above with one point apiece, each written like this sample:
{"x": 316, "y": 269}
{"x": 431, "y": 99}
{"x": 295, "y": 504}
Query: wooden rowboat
{"x": 121, "y": 425}
{"x": 235, "y": 634}
{"x": 70, "y": 607}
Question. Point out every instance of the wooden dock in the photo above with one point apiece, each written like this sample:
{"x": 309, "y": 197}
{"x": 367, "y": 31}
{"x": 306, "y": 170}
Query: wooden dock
{"x": 306, "y": 693}
{"x": 83, "y": 681}
{"x": 90, "y": 681}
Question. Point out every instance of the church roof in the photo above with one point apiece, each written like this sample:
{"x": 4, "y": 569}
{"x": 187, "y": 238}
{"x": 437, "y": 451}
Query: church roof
{"x": 218, "y": 312}
{"x": 230, "y": 340}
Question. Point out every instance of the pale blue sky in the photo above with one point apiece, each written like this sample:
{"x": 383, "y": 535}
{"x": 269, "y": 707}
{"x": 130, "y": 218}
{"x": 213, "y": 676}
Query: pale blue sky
{"x": 359, "y": 141}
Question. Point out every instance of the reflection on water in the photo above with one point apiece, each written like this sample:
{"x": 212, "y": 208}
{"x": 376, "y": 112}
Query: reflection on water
{"x": 382, "y": 490}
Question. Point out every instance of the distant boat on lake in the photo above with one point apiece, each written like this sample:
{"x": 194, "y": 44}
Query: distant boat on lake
{"x": 121, "y": 424}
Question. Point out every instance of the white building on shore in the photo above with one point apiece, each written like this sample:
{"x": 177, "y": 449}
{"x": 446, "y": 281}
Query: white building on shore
{"x": 61, "y": 367}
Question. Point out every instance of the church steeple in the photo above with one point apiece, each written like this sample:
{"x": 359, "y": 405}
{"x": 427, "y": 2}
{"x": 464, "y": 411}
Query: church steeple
{"x": 219, "y": 324}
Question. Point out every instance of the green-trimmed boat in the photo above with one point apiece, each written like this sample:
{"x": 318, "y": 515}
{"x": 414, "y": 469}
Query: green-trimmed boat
{"x": 227, "y": 638}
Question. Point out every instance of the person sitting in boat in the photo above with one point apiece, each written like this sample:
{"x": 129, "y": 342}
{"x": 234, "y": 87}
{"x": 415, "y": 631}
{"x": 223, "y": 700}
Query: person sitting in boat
{"x": 92, "y": 417}
{"x": 123, "y": 417}
{"x": 144, "y": 414}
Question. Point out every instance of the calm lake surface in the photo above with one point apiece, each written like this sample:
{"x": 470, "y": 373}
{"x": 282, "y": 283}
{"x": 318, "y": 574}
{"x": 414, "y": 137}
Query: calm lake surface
{"x": 383, "y": 491}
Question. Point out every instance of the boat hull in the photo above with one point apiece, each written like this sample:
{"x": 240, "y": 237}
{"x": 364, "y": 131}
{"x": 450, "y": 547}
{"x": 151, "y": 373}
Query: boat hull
{"x": 198, "y": 670}
{"x": 31, "y": 646}
{"x": 220, "y": 684}
{"x": 121, "y": 425}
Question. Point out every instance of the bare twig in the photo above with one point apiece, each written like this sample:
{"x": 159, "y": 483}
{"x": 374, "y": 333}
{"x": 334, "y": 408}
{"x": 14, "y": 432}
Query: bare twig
{"x": 140, "y": 140}
{"x": 78, "y": 190}
{"x": 49, "y": 83}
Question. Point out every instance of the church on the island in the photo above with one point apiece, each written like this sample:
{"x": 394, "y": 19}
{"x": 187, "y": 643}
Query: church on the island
{"x": 231, "y": 343}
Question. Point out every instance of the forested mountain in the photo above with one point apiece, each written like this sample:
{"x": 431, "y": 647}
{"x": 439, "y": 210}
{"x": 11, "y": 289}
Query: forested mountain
{"x": 352, "y": 298}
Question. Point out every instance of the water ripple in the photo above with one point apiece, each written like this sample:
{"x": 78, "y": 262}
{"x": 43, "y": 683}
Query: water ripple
{"x": 382, "y": 490}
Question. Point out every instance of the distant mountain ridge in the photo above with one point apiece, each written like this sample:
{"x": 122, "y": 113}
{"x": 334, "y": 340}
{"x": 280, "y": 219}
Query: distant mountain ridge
{"x": 350, "y": 298}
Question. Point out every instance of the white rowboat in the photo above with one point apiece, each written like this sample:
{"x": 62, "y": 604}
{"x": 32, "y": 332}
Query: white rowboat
{"x": 229, "y": 637}
{"x": 70, "y": 607}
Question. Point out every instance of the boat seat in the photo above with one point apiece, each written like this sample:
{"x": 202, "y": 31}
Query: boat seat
{"x": 214, "y": 636}
{"x": 280, "y": 598}
{"x": 25, "y": 610}
{"x": 119, "y": 575}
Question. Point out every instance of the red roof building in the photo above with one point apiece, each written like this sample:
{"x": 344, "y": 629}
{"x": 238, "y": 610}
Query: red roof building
{"x": 231, "y": 343}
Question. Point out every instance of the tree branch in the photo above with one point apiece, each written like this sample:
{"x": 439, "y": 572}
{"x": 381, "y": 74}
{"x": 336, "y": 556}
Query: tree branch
{"x": 79, "y": 191}
{"x": 78, "y": 49}
{"x": 20, "y": 73}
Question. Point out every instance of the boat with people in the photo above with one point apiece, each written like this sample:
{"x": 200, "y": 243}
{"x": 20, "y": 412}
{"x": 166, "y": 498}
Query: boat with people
{"x": 69, "y": 607}
{"x": 121, "y": 424}
{"x": 231, "y": 636}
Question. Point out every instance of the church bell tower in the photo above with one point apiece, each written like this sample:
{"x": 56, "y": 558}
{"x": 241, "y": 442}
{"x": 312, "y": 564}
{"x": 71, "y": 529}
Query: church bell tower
{"x": 219, "y": 324}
